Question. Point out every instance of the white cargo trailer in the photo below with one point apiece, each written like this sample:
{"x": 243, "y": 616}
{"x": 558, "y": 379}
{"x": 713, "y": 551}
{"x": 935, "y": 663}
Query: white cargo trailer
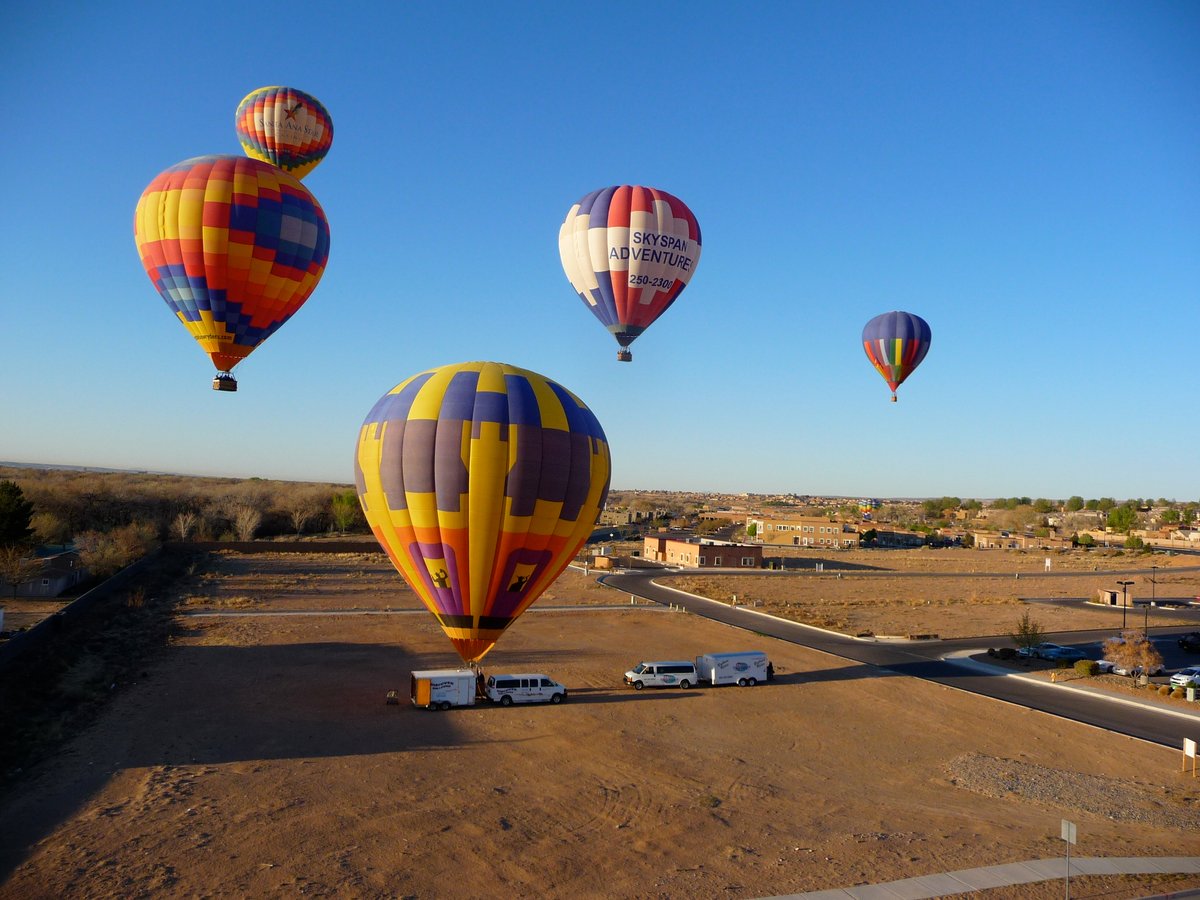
{"x": 443, "y": 688}
{"x": 746, "y": 668}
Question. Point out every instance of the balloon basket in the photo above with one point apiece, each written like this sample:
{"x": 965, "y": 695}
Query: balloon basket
{"x": 223, "y": 381}
{"x": 624, "y": 355}
{"x": 893, "y": 398}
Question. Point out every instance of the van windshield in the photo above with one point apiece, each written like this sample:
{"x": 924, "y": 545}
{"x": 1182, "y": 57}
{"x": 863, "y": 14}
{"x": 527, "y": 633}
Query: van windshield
{"x": 640, "y": 668}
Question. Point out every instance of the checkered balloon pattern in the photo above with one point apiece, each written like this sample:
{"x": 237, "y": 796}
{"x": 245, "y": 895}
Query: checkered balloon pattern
{"x": 234, "y": 246}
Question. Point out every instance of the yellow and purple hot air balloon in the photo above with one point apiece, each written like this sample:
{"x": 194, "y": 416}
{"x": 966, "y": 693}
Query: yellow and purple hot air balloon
{"x": 481, "y": 481}
{"x": 234, "y": 246}
{"x": 895, "y": 343}
{"x": 629, "y": 252}
{"x": 285, "y": 127}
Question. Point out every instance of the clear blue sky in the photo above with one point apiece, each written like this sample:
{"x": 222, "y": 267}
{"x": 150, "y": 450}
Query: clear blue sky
{"x": 1026, "y": 176}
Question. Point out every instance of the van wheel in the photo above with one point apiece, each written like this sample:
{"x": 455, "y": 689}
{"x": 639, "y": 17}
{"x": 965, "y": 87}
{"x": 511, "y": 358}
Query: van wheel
{"x": 752, "y": 681}
{"x": 506, "y": 700}
{"x": 637, "y": 685}
{"x": 685, "y": 684}
{"x": 741, "y": 682}
{"x": 556, "y": 698}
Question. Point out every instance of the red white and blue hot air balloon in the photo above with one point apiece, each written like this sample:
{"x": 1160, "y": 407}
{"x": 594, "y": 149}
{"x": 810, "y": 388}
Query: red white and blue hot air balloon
{"x": 629, "y": 252}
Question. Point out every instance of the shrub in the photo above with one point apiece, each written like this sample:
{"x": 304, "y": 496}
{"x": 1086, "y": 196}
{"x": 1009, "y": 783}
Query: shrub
{"x": 1164, "y": 690}
{"x": 1087, "y": 667}
{"x": 1178, "y": 693}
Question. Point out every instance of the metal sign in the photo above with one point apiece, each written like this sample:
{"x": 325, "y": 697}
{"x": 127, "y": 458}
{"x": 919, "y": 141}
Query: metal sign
{"x": 1189, "y": 747}
{"x": 1068, "y": 832}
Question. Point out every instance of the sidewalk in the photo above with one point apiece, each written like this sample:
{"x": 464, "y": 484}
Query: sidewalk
{"x": 965, "y": 880}
{"x": 964, "y": 658}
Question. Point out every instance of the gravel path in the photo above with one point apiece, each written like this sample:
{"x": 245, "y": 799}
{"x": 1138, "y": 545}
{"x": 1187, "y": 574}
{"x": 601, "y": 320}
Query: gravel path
{"x": 1113, "y": 798}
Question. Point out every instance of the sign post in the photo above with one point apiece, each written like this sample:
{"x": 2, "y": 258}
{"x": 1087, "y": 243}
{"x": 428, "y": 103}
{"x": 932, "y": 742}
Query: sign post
{"x": 1068, "y": 835}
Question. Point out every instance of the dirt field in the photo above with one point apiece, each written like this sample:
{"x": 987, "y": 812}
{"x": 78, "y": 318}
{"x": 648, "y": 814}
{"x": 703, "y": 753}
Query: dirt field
{"x": 256, "y": 757}
{"x": 943, "y": 592}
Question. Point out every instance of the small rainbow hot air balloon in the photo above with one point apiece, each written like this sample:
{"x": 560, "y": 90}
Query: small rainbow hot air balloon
{"x": 481, "y": 481}
{"x": 234, "y": 246}
{"x": 895, "y": 343}
{"x": 285, "y": 127}
{"x": 629, "y": 252}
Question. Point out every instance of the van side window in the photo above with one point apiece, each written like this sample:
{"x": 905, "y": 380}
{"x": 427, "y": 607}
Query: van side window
{"x": 507, "y": 684}
{"x": 546, "y": 682}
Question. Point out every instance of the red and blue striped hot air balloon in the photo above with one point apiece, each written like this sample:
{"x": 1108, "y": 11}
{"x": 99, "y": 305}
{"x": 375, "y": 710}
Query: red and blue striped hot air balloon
{"x": 629, "y": 252}
{"x": 895, "y": 343}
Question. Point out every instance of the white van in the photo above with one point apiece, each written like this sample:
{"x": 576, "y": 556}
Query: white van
{"x": 509, "y": 689}
{"x": 672, "y": 673}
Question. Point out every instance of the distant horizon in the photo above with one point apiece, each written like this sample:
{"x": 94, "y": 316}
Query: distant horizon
{"x": 75, "y": 467}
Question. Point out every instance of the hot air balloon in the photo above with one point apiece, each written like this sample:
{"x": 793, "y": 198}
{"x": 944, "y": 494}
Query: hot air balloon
{"x": 896, "y": 342}
{"x": 235, "y": 246}
{"x": 481, "y": 481}
{"x": 629, "y": 252}
{"x": 285, "y": 127}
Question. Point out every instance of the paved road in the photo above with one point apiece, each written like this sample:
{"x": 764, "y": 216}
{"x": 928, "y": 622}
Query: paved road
{"x": 923, "y": 660}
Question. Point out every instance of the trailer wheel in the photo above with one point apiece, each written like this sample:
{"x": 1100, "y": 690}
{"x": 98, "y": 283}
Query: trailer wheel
{"x": 556, "y": 698}
{"x": 445, "y": 705}
{"x": 752, "y": 681}
{"x": 685, "y": 684}
{"x": 637, "y": 685}
{"x": 506, "y": 700}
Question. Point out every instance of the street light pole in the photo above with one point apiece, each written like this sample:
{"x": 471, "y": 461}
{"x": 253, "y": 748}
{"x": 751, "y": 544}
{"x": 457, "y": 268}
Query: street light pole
{"x": 1153, "y": 584}
{"x": 1124, "y": 600}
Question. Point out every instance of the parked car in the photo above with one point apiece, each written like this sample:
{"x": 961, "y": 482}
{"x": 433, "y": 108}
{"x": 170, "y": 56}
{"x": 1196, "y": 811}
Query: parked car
{"x": 1156, "y": 669}
{"x": 1189, "y": 677}
{"x": 1190, "y": 642}
{"x": 1050, "y": 651}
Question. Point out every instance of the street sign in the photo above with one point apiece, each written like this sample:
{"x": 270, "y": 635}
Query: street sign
{"x": 1068, "y": 832}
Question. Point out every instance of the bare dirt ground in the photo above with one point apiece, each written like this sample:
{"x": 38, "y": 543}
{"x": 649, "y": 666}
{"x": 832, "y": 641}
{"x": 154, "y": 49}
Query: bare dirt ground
{"x": 256, "y": 757}
{"x": 943, "y": 592}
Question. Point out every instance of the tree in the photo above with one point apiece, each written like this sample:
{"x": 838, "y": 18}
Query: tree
{"x": 345, "y": 508}
{"x": 17, "y": 566}
{"x": 1042, "y": 505}
{"x": 751, "y": 529}
{"x": 1122, "y": 518}
{"x": 184, "y": 524}
{"x": 15, "y": 515}
{"x": 48, "y": 528}
{"x": 868, "y": 537}
{"x": 1075, "y": 504}
{"x": 246, "y": 520}
{"x": 1132, "y": 652}
{"x": 1029, "y": 633}
{"x": 301, "y": 509}
{"x": 1083, "y": 540}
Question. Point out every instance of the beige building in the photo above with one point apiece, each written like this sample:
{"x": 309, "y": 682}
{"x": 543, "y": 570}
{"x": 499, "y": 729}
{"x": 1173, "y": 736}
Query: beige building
{"x": 804, "y": 531}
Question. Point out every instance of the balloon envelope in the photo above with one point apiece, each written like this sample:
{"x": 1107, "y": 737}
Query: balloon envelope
{"x": 285, "y": 127}
{"x": 234, "y": 246}
{"x": 481, "y": 481}
{"x": 895, "y": 343}
{"x": 629, "y": 252}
